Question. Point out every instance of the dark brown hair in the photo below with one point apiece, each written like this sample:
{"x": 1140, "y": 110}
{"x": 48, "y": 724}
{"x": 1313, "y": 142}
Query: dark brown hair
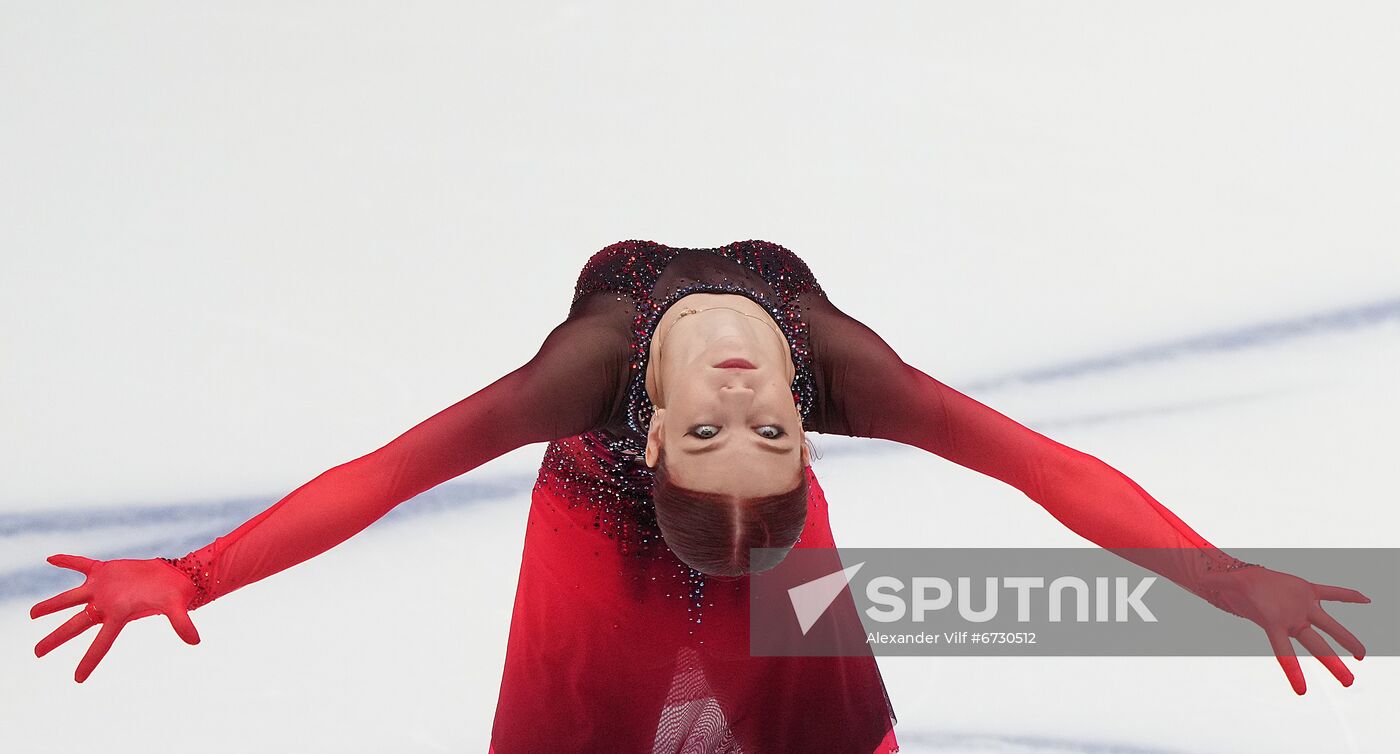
{"x": 712, "y": 532}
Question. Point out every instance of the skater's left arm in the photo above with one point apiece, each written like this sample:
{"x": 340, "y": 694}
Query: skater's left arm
{"x": 871, "y": 392}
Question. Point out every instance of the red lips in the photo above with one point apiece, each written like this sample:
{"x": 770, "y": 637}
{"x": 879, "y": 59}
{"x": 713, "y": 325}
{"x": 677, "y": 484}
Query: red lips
{"x": 735, "y": 364}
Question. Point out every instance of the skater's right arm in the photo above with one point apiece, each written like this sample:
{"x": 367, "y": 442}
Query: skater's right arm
{"x": 570, "y": 386}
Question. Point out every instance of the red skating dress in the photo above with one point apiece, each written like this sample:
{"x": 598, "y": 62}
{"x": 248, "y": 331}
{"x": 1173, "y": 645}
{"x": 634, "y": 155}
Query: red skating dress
{"x": 615, "y": 645}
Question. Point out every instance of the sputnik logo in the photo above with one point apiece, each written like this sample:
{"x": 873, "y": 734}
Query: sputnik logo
{"x": 810, "y": 600}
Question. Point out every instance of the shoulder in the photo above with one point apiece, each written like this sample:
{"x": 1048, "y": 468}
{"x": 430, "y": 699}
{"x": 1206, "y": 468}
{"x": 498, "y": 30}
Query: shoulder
{"x": 616, "y": 266}
{"x": 579, "y": 374}
{"x": 780, "y": 264}
{"x": 770, "y": 250}
{"x": 600, "y": 326}
{"x": 621, "y": 249}
{"x": 858, "y": 374}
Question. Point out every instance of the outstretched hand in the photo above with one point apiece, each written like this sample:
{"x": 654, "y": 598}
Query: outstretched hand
{"x": 1287, "y": 608}
{"x": 116, "y": 592}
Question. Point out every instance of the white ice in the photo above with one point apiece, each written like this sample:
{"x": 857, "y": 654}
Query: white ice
{"x": 242, "y": 244}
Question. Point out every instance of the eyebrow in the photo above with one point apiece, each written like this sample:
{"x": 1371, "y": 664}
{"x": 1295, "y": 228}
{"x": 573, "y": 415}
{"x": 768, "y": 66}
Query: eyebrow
{"x": 711, "y": 447}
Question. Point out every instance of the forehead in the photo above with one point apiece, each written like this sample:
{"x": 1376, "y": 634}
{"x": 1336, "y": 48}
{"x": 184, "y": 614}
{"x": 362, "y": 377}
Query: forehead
{"x": 738, "y": 469}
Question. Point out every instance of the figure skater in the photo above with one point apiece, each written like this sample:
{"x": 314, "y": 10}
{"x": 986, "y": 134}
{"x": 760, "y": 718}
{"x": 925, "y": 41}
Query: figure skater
{"x": 675, "y": 397}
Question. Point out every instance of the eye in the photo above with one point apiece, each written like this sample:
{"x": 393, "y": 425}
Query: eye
{"x": 704, "y": 431}
{"x": 770, "y": 431}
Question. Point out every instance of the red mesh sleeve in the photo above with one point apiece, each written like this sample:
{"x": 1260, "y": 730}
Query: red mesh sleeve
{"x": 570, "y": 386}
{"x": 871, "y": 392}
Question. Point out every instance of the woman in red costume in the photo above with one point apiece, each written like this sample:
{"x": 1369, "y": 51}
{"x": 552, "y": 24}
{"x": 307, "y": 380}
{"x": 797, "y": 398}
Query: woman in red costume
{"x": 675, "y": 397}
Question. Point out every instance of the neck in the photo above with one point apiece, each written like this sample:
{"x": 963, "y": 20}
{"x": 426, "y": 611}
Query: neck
{"x": 695, "y": 322}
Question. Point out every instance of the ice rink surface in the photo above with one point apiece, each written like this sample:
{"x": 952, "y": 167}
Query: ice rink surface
{"x": 241, "y": 245}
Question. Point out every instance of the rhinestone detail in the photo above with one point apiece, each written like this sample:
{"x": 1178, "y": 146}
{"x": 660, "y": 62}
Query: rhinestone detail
{"x": 198, "y": 572}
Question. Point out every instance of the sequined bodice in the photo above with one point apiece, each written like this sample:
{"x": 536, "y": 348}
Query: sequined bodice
{"x": 654, "y": 277}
